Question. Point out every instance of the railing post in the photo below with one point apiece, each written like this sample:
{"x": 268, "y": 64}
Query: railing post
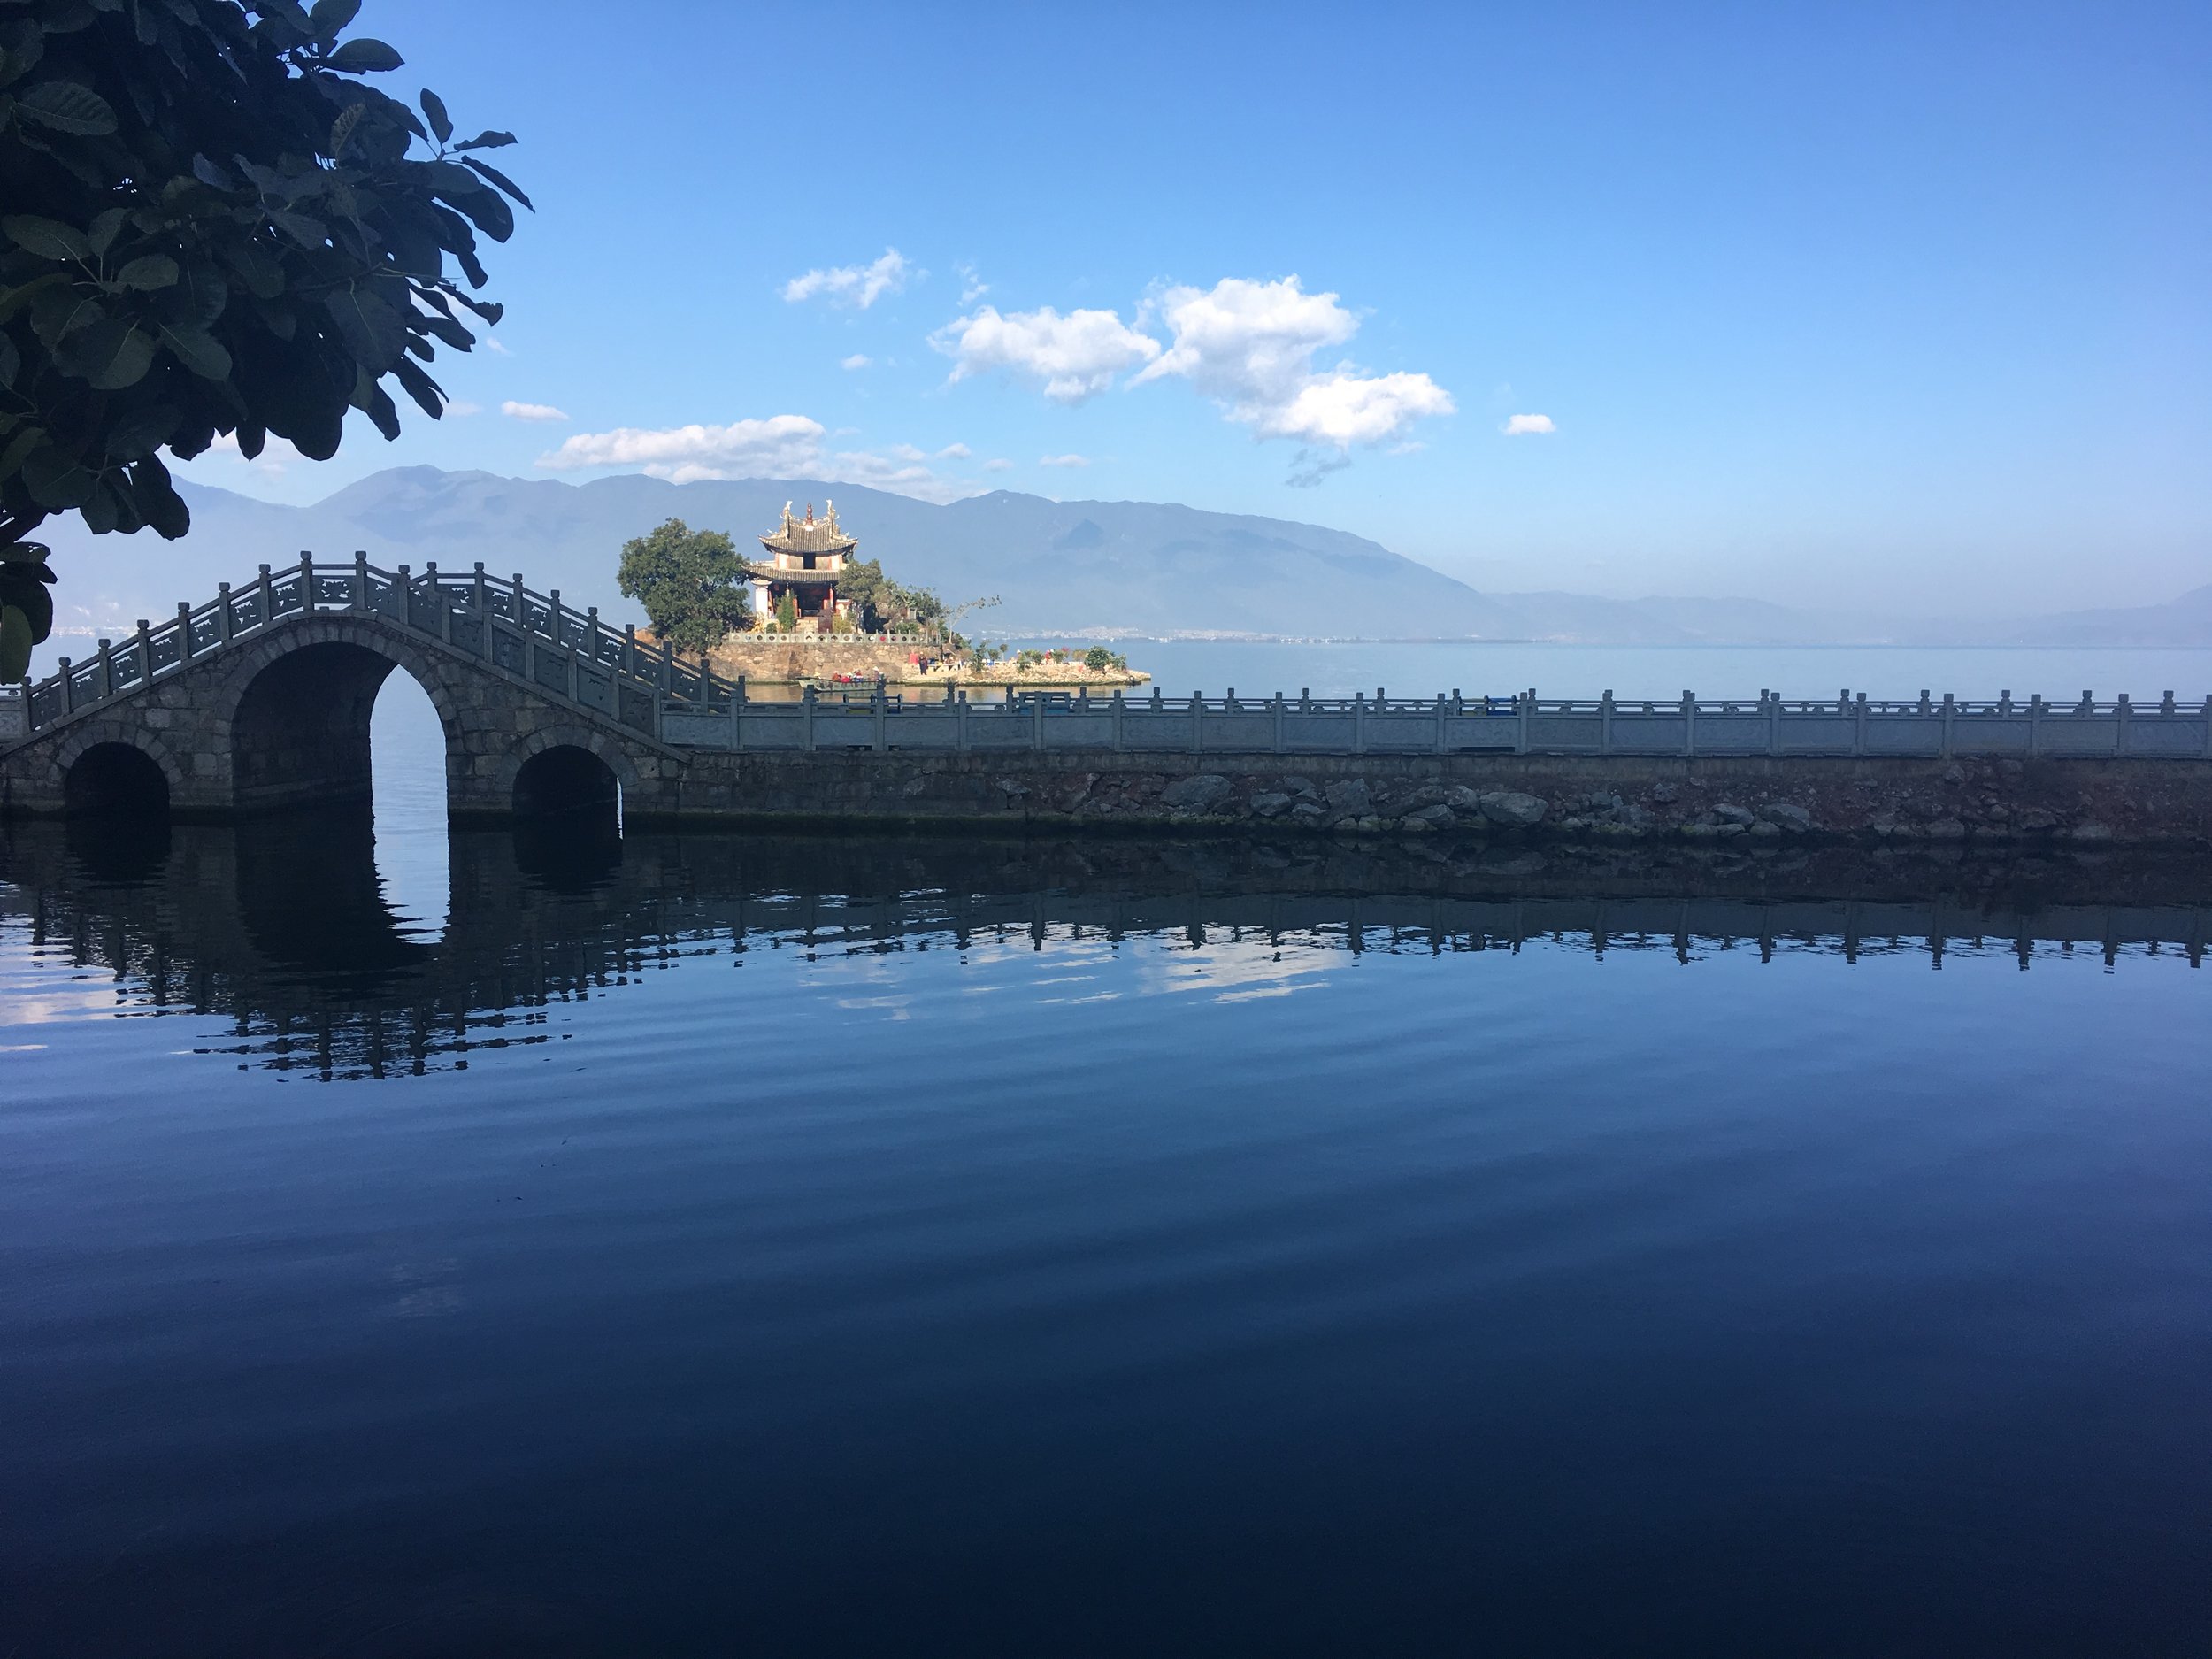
{"x": 737, "y": 717}
{"x": 1359, "y": 723}
{"x": 1605, "y": 722}
{"x": 480, "y": 597}
{"x": 404, "y": 587}
{"x": 224, "y": 623}
{"x": 1950, "y": 710}
{"x": 522, "y": 609}
{"x": 360, "y": 579}
{"x": 1689, "y": 722}
{"x": 1439, "y": 722}
{"x": 591, "y": 632}
{"x": 806, "y": 718}
{"x": 1858, "y": 726}
{"x": 1774, "y": 721}
{"x": 2126, "y": 719}
{"x": 30, "y": 708}
{"x": 107, "y": 668}
{"x": 267, "y": 599}
{"x": 145, "y": 654}
{"x": 68, "y": 688}
{"x": 1116, "y": 717}
{"x": 184, "y": 632}
{"x": 1036, "y": 720}
{"x": 1275, "y": 745}
{"x": 437, "y": 601}
{"x": 2208, "y": 726}
{"x": 629, "y": 649}
{"x": 553, "y": 618}
{"x": 1198, "y": 724}
{"x": 2035, "y": 722}
{"x": 960, "y": 720}
{"x": 307, "y": 580}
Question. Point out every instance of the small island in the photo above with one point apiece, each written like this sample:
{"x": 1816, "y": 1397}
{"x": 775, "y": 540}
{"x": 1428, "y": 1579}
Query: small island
{"x": 813, "y": 612}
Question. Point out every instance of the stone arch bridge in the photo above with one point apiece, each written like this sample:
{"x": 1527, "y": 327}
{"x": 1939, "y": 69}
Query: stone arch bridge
{"x": 260, "y": 700}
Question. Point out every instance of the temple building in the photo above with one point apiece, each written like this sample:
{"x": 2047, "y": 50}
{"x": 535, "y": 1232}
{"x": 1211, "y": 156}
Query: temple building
{"x": 805, "y": 559}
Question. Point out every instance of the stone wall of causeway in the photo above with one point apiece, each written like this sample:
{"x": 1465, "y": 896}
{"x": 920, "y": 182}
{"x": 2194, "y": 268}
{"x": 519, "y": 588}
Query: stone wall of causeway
{"x": 1748, "y": 801}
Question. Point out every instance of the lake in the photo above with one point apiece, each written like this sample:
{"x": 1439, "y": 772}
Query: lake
{"x": 493, "y": 1243}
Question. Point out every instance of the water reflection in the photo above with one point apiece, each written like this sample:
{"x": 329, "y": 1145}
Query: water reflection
{"x": 284, "y": 927}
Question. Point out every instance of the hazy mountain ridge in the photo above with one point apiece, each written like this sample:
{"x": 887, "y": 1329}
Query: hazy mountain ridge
{"x": 1112, "y": 568}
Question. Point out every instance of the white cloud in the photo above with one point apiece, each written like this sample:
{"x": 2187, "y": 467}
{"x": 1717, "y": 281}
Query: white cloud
{"x": 973, "y": 288}
{"x": 497, "y": 347}
{"x": 781, "y": 446}
{"x": 462, "y": 406}
{"x": 860, "y": 284}
{"x": 858, "y": 360}
{"x": 1522, "y": 425}
{"x": 998, "y": 465}
{"x": 1064, "y": 460}
{"x": 1076, "y": 356}
{"x": 1251, "y": 347}
{"x": 531, "y": 411}
{"x": 954, "y": 452}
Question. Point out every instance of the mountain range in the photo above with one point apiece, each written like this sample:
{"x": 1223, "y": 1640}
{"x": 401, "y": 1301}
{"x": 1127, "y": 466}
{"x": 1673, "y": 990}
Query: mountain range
{"x": 1060, "y": 569}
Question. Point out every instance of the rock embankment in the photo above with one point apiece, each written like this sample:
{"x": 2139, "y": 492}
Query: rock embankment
{"x": 1746, "y": 803}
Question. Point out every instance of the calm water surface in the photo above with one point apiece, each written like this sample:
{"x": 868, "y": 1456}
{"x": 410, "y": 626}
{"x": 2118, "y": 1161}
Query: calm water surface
{"x": 721, "y": 1244}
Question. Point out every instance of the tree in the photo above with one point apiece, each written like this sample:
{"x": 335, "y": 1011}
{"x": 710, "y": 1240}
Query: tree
{"x": 786, "y": 613}
{"x": 210, "y": 225}
{"x": 883, "y": 604}
{"x": 691, "y": 583}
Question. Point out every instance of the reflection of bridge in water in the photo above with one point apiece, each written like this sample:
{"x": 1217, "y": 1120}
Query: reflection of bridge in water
{"x": 281, "y": 927}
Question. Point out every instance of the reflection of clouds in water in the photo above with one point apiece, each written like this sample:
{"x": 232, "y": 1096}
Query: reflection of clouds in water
{"x": 425, "y": 1292}
{"x": 1234, "y": 971}
{"x": 898, "y": 1007}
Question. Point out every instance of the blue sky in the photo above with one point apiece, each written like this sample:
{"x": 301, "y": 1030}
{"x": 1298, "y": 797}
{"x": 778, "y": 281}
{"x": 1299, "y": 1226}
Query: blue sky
{"x": 1810, "y": 297}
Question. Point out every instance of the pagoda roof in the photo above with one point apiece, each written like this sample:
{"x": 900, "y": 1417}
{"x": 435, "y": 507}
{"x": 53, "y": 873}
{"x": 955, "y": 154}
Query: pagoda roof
{"x": 809, "y": 534}
{"x": 801, "y": 577}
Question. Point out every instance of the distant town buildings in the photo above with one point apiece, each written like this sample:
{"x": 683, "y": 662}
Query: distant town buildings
{"x": 805, "y": 559}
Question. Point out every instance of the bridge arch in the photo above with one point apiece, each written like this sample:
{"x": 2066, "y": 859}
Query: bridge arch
{"x": 567, "y": 771}
{"x": 296, "y": 712}
{"x": 109, "y": 768}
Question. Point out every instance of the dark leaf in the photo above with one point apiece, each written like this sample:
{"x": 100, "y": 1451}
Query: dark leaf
{"x": 55, "y": 479}
{"x": 10, "y": 361}
{"x": 98, "y": 508}
{"x": 47, "y": 238}
{"x": 327, "y": 18}
{"x": 66, "y": 107}
{"x": 372, "y": 329}
{"x": 251, "y": 438}
{"x": 148, "y": 272}
{"x": 142, "y": 431}
{"x": 421, "y": 387}
{"x": 441, "y": 123}
{"x": 158, "y": 501}
{"x": 16, "y": 642}
{"x": 308, "y": 233}
{"x": 105, "y": 228}
{"x": 363, "y": 55}
{"x": 208, "y": 173}
{"x": 198, "y": 350}
{"x": 18, "y": 446}
{"x": 109, "y": 355}
{"x": 488, "y": 141}
{"x": 341, "y": 129}
{"x": 499, "y": 179}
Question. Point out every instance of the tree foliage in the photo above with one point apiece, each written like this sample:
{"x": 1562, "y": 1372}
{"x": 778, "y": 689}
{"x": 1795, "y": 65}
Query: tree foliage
{"x": 691, "y": 582}
{"x": 210, "y": 224}
{"x": 884, "y": 604}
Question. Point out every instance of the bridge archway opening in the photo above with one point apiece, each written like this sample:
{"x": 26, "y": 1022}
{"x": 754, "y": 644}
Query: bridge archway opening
{"x": 301, "y": 736}
{"x": 119, "y": 781}
{"x": 414, "y": 871}
{"x": 570, "y": 786}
